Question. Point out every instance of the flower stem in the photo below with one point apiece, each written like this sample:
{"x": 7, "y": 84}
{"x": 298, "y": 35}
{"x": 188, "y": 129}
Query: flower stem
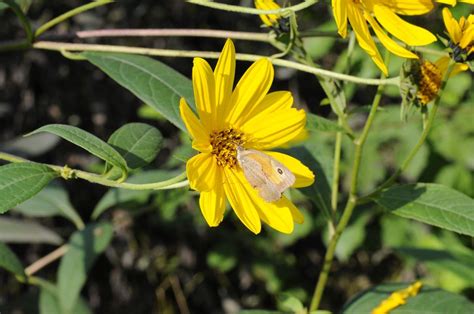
{"x": 173, "y": 183}
{"x": 70, "y": 14}
{"x": 426, "y": 130}
{"x": 60, "y": 46}
{"x": 240, "y": 9}
{"x": 351, "y": 203}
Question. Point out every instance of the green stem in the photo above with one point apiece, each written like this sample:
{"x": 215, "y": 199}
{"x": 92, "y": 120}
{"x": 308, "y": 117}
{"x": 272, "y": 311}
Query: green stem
{"x": 336, "y": 166}
{"x": 173, "y": 183}
{"x": 351, "y": 203}
{"x": 59, "y": 46}
{"x": 70, "y": 14}
{"x": 239, "y": 9}
{"x": 25, "y": 23}
{"x": 419, "y": 144}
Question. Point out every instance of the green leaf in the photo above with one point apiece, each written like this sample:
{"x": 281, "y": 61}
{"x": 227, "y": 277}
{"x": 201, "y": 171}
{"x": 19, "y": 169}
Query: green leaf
{"x": 287, "y": 302}
{"x": 9, "y": 261}
{"x": 317, "y": 123}
{"x": 432, "y": 204}
{"x": 261, "y": 312}
{"x": 23, "y": 4}
{"x": 153, "y": 82}
{"x": 120, "y": 196}
{"x": 138, "y": 143}
{"x": 428, "y": 301}
{"x": 20, "y": 231}
{"x": 49, "y": 302}
{"x": 222, "y": 258}
{"x": 51, "y": 201}
{"x": 83, "y": 248}
{"x": 459, "y": 264}
{"x": 20, "y": 181}
{"x": 89, "y": 142}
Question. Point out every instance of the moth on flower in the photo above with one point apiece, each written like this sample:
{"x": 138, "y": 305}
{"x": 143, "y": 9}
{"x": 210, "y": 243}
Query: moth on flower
{"x": 234, "y": 131}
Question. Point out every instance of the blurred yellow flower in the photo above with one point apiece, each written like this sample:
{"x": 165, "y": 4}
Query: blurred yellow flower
{"x": 276, "y": 21}
{"x": 454, "y": 2}
{"x": 461, "y": 34}
{"x": 397, "y": 298}
{"x": 382, "y": 16}
{"x": 245, "y": 117}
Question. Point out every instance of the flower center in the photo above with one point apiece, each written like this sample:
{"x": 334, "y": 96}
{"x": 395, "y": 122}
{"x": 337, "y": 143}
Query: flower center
{"x": 429, "y": 82}
{"x": 224, "y": 146}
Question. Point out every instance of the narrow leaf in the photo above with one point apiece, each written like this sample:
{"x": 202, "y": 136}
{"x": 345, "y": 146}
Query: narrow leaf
{"x": 428, "y": 301}
{"x": 153, "y": 82}
{"x": 84, "y": 247}
{"x": 49, "y": 302}
{"x": 138, "y": 143}
{"x": 51, "y": 201}
{"x": 89, "y": 142}
{"x": 20, "y": 181}
{"x": 432, "y": 204}
{"x": 9, "y": 261}
{"x": 20, "y": 231}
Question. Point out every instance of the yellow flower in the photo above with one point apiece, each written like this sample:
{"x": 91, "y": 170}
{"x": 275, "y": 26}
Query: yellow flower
{"x": 268, "y": 19}
{"x": 461, "y": 34}
{"x": 382, "y": 16}
{"x": 454, "y": 2}
{"x": 397, "y": 298}
{"x": 245, "y": 117}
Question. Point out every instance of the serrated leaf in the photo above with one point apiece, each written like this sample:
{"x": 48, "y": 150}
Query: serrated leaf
{"x": 52, "y": 200}
{"x": 138, "y": 143}
{"x": 317, "y": 123}
{"x": 432, "y": 204}
{"x": 83, "y": 248}
{"x": 9, "y": 261}
{"x": 20, "y": 181}
{"x": 428, "y": 301}
{"x": 21, "y": 231}
{"x": 120, "y": 196}
{"x": 153, "y": 82}
{"x": 88, "y": 141}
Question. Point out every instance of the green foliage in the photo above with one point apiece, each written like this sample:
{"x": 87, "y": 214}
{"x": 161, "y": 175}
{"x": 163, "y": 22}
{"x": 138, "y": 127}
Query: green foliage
{"x": 428, "y": 301}
{"x": 317, "y": 123}
{"x": 138, "y": 143}
{"x": 49, "y": 301}
{"x": 432, "y": 204}
{"x": 10, "y": 262}
{"x": 89, "y": 142}
{"x": 153, "y": 82}
{"x": 20, "y": 181}
{"x": 21, "y": 231}
{"x": 83, "y": 248}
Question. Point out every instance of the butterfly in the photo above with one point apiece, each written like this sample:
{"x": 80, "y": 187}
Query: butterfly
{"x": 266, "y": 174}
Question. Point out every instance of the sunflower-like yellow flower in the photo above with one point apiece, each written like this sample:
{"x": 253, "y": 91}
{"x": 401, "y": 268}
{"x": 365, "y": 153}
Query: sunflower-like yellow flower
{"x": 382, "y": 15}
{"x": 242, "y": 118}
{"x": 269, "y": 20}
{"x": 461, "y": 34}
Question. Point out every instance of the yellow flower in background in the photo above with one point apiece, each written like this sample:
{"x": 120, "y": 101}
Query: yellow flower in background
{"x": 230, "y": 120}
{"x": 268, "y": 19}
{"x": 461, "y": 34}
{"x": 382, "y": 15}
{"x": 454, "y": 2}
{"x": 397, "y": 298}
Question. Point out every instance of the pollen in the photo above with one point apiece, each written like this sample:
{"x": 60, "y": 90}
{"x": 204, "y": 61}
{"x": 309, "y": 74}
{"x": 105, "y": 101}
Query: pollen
{"x": 224, "y": 146}
{"x": 429, "y": 82}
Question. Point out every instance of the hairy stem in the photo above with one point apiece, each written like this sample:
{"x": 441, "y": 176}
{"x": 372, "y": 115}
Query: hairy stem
{"x": 240, "y": 9}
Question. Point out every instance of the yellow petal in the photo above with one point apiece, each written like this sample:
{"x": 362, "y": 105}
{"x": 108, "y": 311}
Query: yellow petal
{"x": 452, "y": 26}
{"x": 274, "y": 129}
{"x": 406, "y": 32}
{"x": 272, "y": 102}
{"x": 295, "y": 212}
{"x": 201, "y": 171}
{"x": 268, "y": 19}
{"x": 224, "y": 78}
{"x": 389, "y": 43}
{"x": 204, "y": 93}
{"x": 408, "y": 7}
{"x": 277, "y": 214}
{"x": 304, "y": 176}
{"x": 196, "y": 130}
{"x": 450, "y": 2}
{"x": 251, "y": 89}
{"x": 363, "y": 36}
{"x": 467, "y": 38}
{"x": 241, "y": 201}
{"x": 339, "y": 9}
{"x": 443, "y": 62}
{"x": 212, "y": 202}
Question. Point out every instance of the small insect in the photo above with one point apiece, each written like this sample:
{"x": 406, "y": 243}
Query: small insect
{"x": 266, "y": 174}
